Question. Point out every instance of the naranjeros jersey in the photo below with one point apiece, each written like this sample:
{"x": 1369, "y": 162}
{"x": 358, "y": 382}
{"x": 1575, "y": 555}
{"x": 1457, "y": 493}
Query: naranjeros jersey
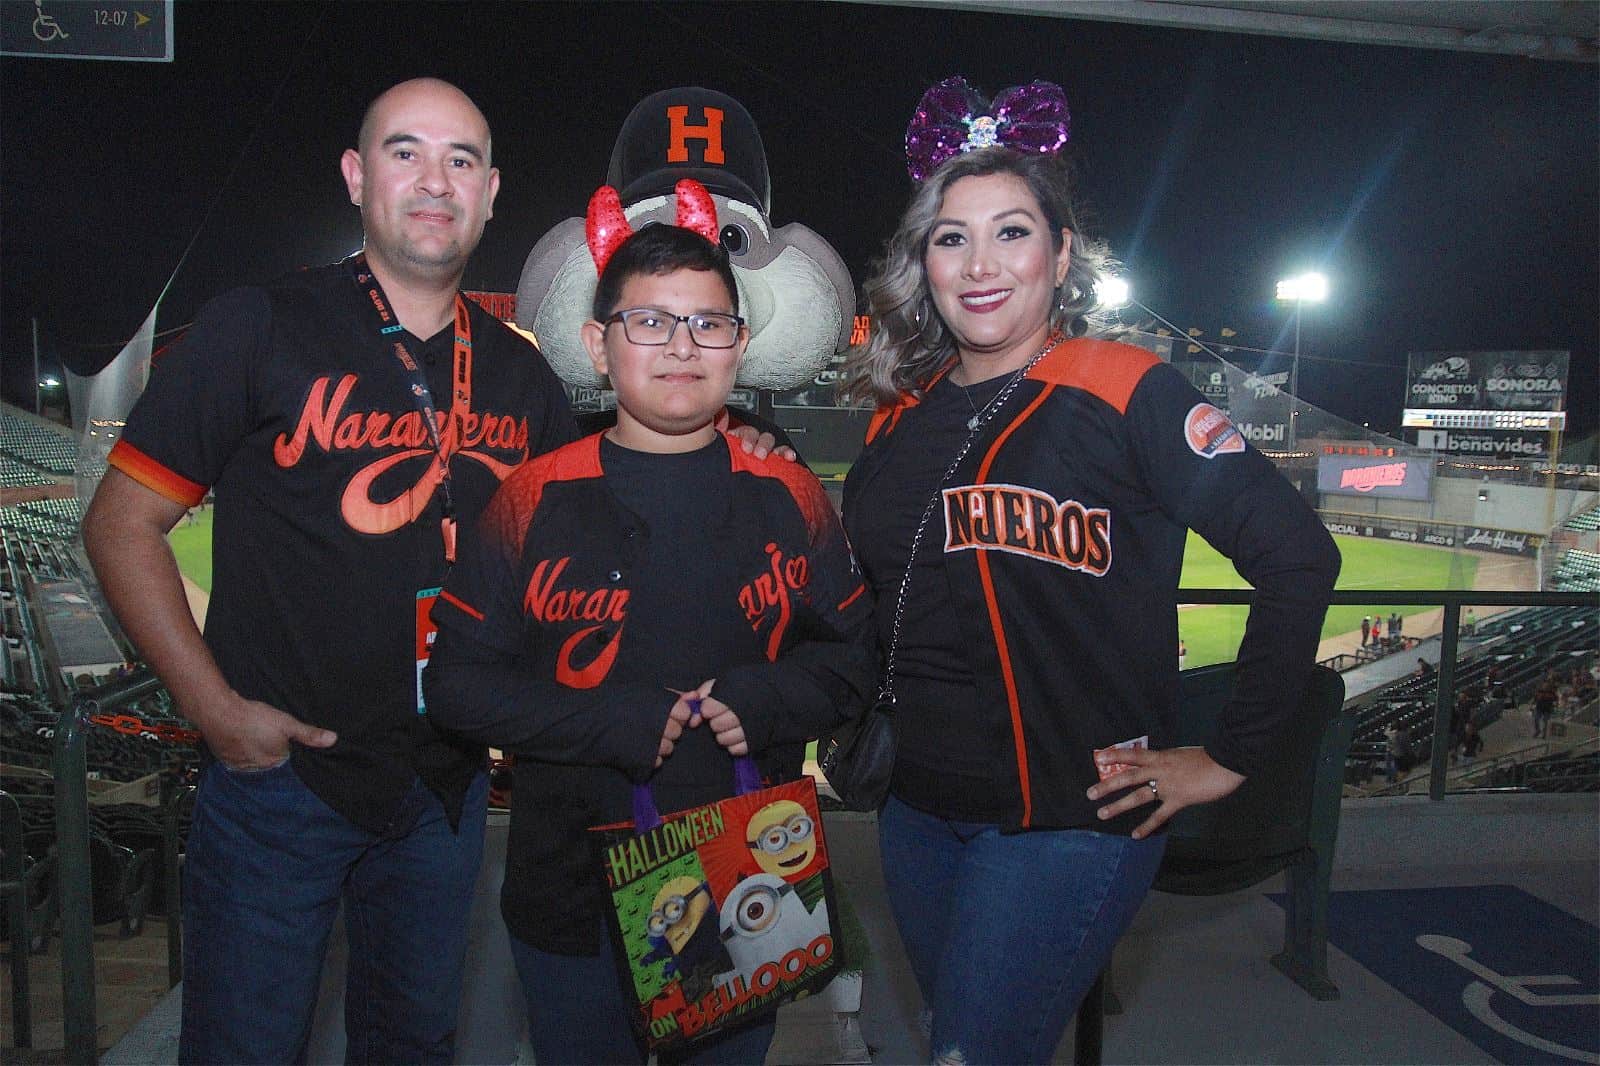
{"x": 327, "y": 541}
{"x": 1062, "y": 536}
{"x": 569, "y": 626}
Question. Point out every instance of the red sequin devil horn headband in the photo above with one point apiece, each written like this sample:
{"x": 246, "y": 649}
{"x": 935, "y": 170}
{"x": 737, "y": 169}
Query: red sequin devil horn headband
{"x": 606, "y": 225}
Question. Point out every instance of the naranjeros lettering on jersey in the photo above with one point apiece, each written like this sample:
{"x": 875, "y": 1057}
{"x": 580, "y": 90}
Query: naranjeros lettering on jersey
{"x": 1012, "y": 518}
{"x": 291, "y": 404}
{"x": 1063, "y": 537}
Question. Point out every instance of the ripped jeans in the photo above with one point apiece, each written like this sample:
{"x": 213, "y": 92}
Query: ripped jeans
{"x": 1007, "y": 931}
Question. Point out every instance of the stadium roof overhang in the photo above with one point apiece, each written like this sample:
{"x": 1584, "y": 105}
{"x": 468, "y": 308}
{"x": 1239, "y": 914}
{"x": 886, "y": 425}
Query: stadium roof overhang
{"x": 1539, "y": 29}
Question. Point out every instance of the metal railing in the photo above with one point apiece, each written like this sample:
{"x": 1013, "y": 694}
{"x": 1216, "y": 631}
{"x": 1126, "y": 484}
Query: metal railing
{"x": 72, "y": 811}
{"x": 72, "y": 850}
{"x": 1453, "y": 602}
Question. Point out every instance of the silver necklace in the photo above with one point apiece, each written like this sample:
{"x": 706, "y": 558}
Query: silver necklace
{"x": 979, "y": 417}
{"x": 886, "y": 689}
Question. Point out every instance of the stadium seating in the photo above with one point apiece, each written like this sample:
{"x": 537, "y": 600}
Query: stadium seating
{"x": 16, "y": 475}
{"x": 1584, "y": 520}
{"x": 1524, "y": 645}
{"x": 1577, "y": 571}
{"x": 33, "y": 444}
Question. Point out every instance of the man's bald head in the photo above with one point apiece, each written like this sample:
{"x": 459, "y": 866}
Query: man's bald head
{"x": 406, "y": 92}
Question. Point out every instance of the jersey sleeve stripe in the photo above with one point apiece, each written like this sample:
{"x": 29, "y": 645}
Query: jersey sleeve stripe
{"x": 152, "y": 475}
{"x": 461, "y": 605}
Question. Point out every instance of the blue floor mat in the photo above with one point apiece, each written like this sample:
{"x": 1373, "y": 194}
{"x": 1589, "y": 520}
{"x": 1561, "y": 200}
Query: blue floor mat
{"x": 1518, "y": 977}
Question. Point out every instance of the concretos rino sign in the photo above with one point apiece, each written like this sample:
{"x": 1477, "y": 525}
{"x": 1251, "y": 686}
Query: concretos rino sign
{"x": 1480, "y": 381}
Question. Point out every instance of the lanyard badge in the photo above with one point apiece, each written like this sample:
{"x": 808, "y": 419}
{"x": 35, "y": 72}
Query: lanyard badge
{"x": 388, "y": 328}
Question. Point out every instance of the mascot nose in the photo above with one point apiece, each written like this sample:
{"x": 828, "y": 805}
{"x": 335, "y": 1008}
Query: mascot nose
{"x": 755, "y": 295}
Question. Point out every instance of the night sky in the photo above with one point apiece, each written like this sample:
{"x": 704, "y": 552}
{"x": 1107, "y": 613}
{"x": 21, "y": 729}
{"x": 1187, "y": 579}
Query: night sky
{"x": 1451, "y": 198}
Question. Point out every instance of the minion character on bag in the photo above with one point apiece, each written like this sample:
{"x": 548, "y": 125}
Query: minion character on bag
{"x": 684, "y": 930}
{"x": 764, "y": 919}
{"x": 783, "y": 841}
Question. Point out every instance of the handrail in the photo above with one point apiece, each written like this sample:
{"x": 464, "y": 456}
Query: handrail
{"x": 1452, "y": 601}
{"x": 72, "y": 818}
{"x": 72, "y": 850}
{"x": 13, "y": 874}
{"x": 1420, "y": 597}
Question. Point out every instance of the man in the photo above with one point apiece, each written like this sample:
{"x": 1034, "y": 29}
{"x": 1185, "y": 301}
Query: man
{"x": 347, "y": 418}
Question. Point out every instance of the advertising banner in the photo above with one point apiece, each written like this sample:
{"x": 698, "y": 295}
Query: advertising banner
{"x": 1487, "y": 381}
{"x": 1257, "y": 404}
{"x": 1210, "y": 378}
{"x": 1403, "y": 477}
{"x": 1409, "y": 533}
{"x": 1497, "y": 540}
{"x": 1486, "y": 443}
{"x": 1260, "y": 408}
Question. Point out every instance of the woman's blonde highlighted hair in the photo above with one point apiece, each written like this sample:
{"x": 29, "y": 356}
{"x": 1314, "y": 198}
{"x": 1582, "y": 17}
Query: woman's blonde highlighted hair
{"x": 909, "y": 341}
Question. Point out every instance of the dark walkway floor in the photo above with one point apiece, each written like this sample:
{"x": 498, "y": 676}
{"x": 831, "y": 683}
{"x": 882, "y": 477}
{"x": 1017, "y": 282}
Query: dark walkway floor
{"x": 1192, "y": 973}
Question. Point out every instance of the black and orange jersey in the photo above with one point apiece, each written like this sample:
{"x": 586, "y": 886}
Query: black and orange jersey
{"x": 573, "y": 620}
{"x": 1061, "y": 537}
{"x": 283, "y": 402}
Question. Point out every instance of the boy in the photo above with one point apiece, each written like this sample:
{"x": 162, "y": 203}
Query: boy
{"x": 609, "y": 584}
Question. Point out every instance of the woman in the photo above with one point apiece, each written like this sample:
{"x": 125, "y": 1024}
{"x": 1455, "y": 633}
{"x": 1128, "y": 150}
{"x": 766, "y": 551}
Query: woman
{"x": 606, "y": 582}
{"x": 1030, "y": 644}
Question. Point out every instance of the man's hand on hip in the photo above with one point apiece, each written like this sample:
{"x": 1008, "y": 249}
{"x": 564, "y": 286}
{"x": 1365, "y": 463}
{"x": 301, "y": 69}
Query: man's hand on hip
{"x": 250, "y": 735}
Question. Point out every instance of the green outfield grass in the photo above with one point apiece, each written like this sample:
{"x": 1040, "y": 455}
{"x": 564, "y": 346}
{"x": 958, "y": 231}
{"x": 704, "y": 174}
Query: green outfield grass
{"x": 830, "y": 471}
{"x": 191, "y": 543}
{"x": 1212, "y": 633}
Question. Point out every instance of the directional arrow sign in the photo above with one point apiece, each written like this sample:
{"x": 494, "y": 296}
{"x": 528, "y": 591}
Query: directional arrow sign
{"x": 67, "y": 29}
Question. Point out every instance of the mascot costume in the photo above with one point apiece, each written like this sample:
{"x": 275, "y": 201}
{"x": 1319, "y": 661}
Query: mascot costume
{"x": 794, "y": 290}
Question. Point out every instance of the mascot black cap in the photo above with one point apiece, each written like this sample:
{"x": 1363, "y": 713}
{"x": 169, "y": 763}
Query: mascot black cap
{"x": 690, "y": 133}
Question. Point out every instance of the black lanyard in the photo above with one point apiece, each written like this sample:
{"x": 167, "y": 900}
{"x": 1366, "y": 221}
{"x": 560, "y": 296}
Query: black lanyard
{"x": 388, "y": 328}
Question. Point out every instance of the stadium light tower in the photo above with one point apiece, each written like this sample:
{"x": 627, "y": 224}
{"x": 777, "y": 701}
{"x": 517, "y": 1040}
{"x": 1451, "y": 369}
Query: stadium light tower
{"x": 1309, "y": 288}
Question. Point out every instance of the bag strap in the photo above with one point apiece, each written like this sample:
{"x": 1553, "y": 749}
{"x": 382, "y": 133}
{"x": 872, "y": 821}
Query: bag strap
{"x": 746, "y": 779}
{"x": 976, "y": 425}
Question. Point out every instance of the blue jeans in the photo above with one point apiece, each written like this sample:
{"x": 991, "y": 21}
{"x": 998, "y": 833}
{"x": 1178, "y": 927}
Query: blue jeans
{"x": 268, "y": 864}
{"x": 1007, "y": 931}
{"x": 576, "y": 1015}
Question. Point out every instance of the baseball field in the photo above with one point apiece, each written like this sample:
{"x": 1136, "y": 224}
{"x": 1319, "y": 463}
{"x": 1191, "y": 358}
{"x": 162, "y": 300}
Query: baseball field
{"x": 1211, "y": 632}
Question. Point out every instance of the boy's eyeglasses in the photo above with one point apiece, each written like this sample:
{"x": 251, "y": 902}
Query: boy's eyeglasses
{"x": 648, "y": 325}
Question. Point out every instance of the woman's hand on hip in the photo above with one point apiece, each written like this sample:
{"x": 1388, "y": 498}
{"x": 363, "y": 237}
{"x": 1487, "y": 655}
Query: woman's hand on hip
{"x": 1171, "y": 778}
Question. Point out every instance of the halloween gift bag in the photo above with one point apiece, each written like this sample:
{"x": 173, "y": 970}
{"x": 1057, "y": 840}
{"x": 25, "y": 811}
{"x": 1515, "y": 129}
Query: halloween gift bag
{"x": 720, "y": 913}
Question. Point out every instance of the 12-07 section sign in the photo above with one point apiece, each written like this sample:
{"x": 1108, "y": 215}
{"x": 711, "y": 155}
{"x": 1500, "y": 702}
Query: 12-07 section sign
{"x": 83, "y": 29}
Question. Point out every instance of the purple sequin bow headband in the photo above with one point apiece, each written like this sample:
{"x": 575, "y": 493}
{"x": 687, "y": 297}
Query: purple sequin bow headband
{"x": 952, "y": 117}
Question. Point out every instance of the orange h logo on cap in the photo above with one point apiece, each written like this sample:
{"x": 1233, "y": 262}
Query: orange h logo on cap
{"x": 682, "y": 132}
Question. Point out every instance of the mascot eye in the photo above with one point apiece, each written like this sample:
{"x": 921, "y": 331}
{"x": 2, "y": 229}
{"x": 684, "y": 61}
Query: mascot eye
{"x": 799, "y": 827}
{"x": 734, "y": 238}
{"x": 757, "y": 911}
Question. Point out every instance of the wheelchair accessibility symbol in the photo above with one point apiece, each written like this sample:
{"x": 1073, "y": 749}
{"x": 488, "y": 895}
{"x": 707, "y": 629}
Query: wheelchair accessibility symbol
{"x": 1477, "y": 997}
{"x": 44, "y": 26}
